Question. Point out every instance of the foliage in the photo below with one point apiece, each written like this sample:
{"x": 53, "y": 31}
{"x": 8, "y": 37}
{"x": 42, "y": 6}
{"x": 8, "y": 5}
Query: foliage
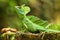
{"x": 54, "y": 26}
{"x": 8, "y": 36}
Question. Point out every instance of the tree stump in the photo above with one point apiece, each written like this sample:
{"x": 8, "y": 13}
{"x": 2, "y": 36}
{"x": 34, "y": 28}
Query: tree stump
{"x": 40, "y": 36}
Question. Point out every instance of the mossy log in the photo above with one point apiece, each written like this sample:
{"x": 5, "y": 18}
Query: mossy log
{"x": 40, "y": 36}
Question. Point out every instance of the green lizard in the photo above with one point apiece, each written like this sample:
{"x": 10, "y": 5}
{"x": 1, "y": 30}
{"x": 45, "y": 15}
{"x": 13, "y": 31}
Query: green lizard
{"x": 32, "y": 27}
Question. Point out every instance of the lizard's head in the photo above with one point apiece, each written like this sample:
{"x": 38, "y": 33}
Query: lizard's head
{"x": 23, "y": 10}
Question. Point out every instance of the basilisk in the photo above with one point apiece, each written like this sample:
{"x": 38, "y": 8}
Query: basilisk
{"x": 30, "y": 26}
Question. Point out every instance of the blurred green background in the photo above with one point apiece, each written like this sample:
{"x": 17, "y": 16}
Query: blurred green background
{"x": 8, "y": 16}
{"x": 43, "y": 9}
